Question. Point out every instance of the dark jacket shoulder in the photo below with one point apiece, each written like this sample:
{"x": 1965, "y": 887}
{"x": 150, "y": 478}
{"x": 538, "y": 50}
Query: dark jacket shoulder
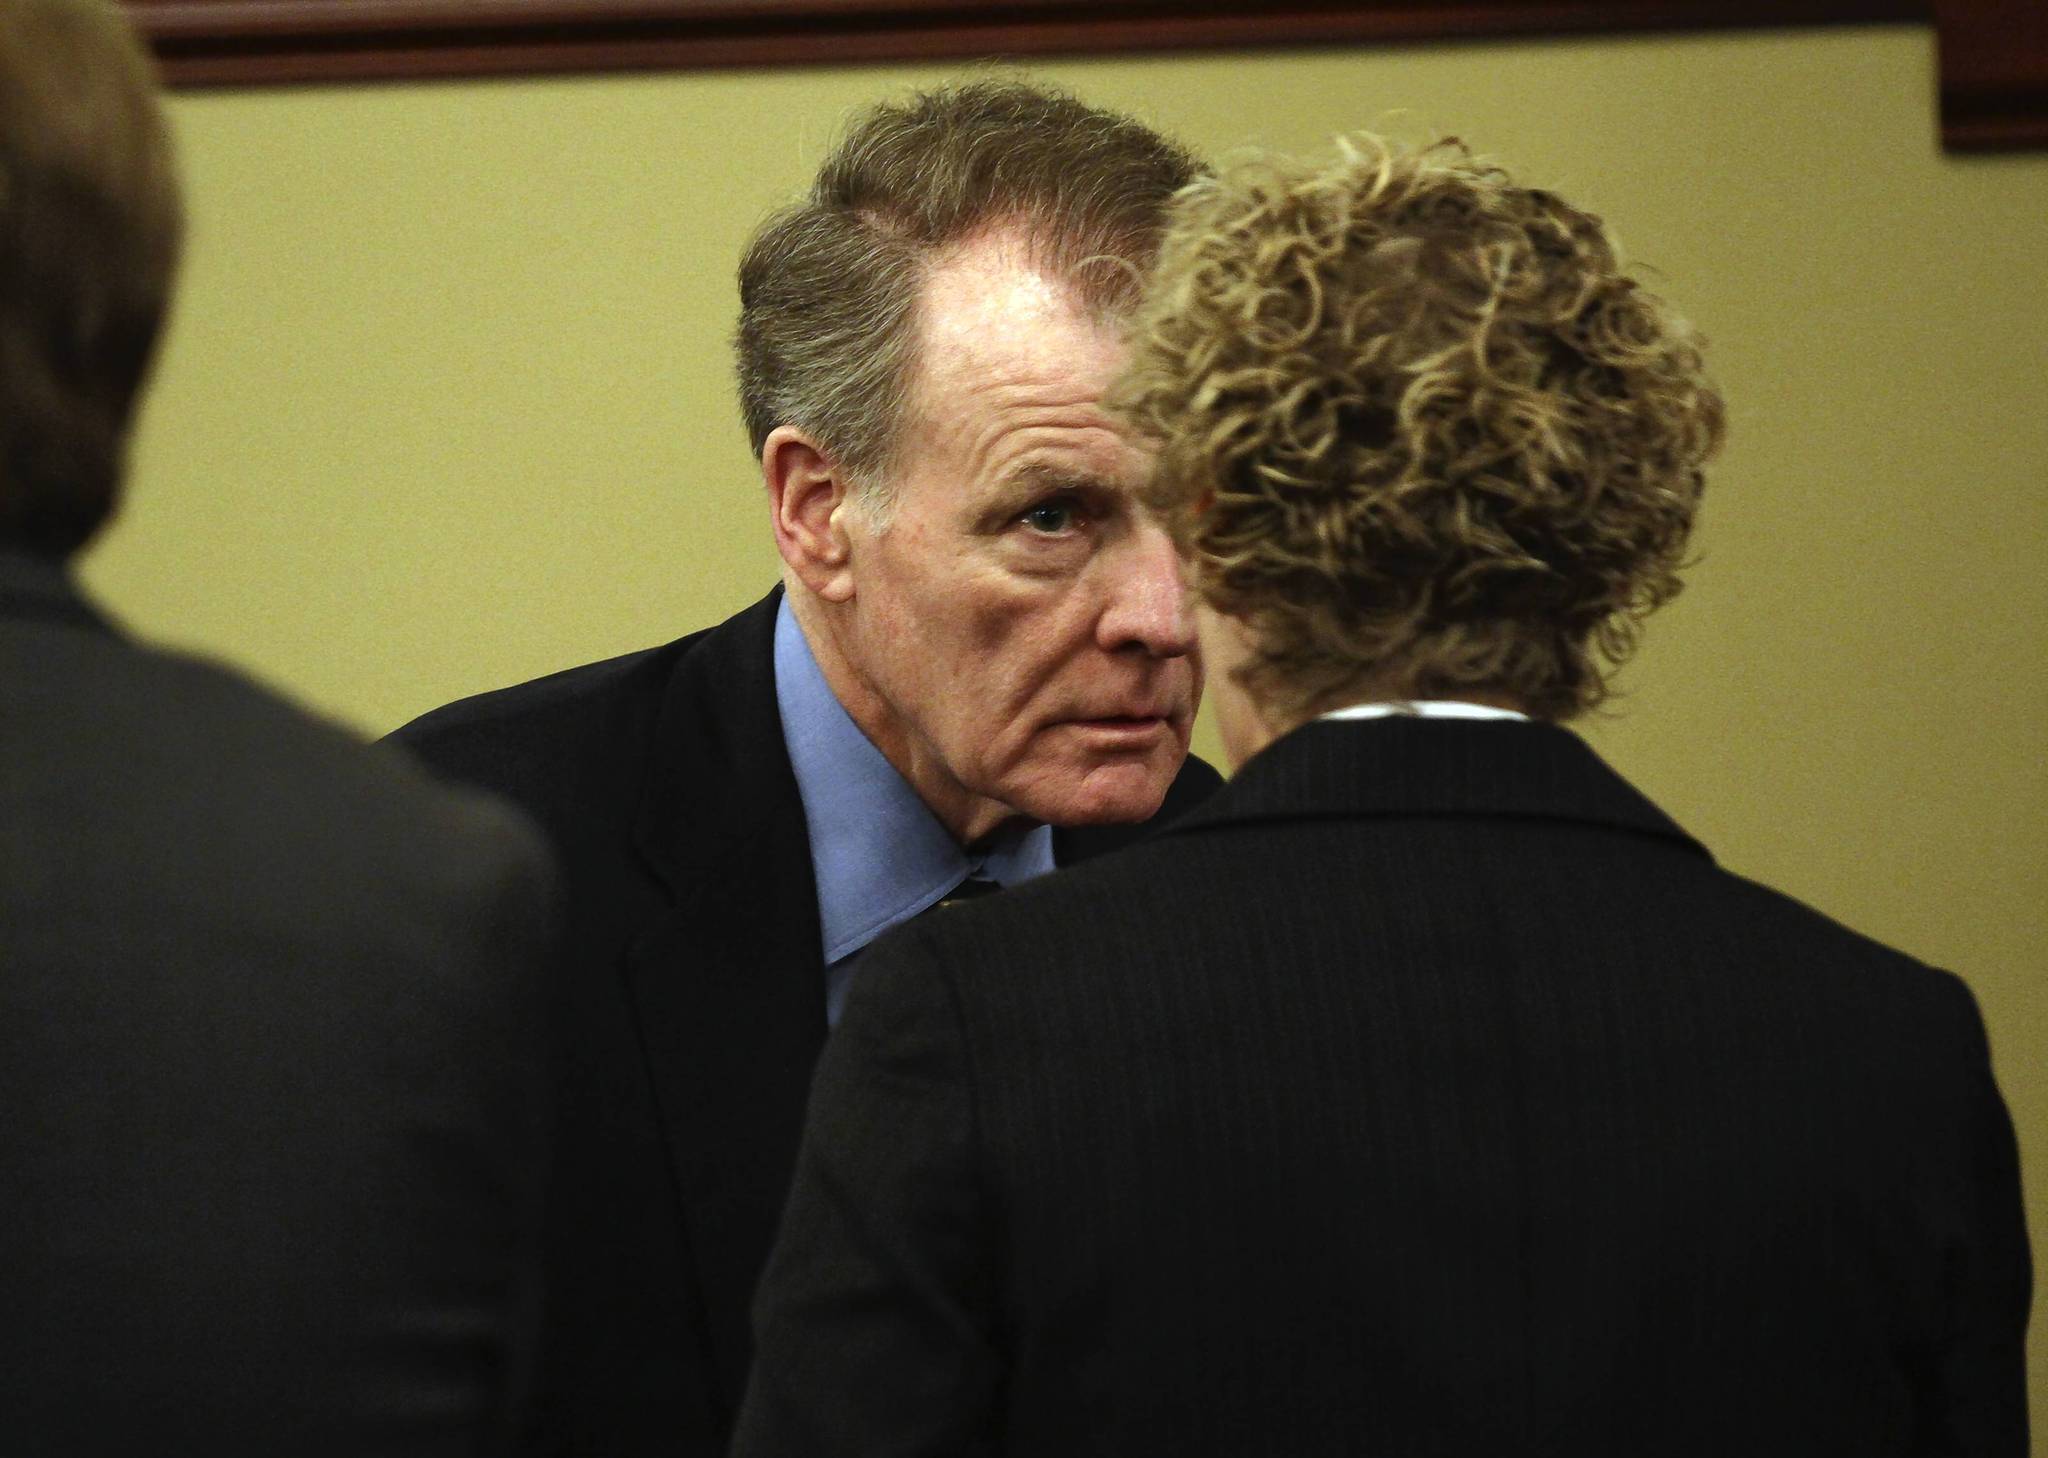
{"x": 546, "y": 732}
{"x": 174, "y": 744}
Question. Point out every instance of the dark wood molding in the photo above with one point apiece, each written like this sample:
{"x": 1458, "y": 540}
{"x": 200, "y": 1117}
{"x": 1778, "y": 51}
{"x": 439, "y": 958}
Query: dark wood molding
{"x": 1994, "y": 84}
{"x": 1994, "y": 74}
{"x": 236, "y": 42}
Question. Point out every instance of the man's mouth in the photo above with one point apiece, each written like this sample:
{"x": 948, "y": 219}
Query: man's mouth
{"x": 1133, "y": 728}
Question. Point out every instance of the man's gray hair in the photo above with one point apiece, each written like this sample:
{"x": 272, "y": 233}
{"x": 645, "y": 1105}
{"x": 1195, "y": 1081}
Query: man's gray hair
{"x": 829, "y": 286}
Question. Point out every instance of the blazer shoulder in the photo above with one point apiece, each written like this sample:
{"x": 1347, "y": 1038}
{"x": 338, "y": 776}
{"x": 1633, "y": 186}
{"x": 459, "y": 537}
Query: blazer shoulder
{"x": 568, "y": 735}
{"x": 1196, "y": 782}
{"x": 588, "y": 694}
{"x": 259, "y": 793}
{"x": 1768, "y": 916}
{"x": 561, "y": 738}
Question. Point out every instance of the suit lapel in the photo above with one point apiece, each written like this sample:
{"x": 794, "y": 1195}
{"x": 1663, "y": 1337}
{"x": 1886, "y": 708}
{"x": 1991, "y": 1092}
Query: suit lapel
{"x": 1433, "y": 767}
{"x": 727, "y": 980}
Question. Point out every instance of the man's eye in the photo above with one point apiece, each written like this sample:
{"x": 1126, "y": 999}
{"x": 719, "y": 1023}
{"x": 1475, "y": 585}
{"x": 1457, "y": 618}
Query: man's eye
{"x": 1050, "y": 517}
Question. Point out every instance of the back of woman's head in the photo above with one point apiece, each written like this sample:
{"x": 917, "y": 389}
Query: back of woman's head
{"x": 1419, "y": 428}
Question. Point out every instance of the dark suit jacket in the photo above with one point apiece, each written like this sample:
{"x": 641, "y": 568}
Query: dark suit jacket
{"x": 690, "y": 1014}
{"x": 1427, "y": 1092}
{"x": 271, "y": 1147}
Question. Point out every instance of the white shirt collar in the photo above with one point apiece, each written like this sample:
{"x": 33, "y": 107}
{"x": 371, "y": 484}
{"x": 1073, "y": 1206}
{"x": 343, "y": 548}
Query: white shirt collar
{"x": 1423, "y": 709}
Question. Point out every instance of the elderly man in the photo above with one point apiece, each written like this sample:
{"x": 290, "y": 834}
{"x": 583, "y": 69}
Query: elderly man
{"x": 1427, "y": 1091}
{"x": 979, "y": 665}
{"x": 270, "y": 999}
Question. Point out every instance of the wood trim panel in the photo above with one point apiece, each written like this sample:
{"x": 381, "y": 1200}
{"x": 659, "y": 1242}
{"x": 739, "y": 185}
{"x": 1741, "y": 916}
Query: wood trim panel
{"x": 1994, "y": 53}
{"x": 1994, "y": 74}
{"x": 239, "y": 42}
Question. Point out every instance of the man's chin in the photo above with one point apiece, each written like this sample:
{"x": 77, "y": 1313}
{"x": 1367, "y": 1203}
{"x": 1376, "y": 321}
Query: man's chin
{"x": 1110, "y": 794}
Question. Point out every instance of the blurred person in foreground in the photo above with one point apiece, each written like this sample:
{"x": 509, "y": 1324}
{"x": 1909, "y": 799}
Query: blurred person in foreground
{"x": 979, "y": 664}
{"x": 1428, "y": 1091}
{"x": 270, "y": 1019}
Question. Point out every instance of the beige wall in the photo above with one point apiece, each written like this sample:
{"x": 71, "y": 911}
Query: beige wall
{"x": 446, "y": 406}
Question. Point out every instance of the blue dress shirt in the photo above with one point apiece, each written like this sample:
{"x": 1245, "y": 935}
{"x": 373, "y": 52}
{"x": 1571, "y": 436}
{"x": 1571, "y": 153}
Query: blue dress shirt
{"x": 878, "y": 853}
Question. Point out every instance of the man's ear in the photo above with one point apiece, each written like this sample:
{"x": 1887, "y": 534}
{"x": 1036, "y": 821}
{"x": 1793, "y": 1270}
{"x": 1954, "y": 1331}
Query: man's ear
{"x": 810, "y": 499}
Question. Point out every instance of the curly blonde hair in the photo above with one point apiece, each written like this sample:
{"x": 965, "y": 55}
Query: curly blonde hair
{"x": 1419, "y": 429}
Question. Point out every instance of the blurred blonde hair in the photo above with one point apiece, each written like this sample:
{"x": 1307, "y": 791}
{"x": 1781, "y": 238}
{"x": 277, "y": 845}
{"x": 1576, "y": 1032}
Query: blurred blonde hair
{"x": 1419, "y": 428}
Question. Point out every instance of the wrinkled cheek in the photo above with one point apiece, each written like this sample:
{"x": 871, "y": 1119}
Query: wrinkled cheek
{"x": 1005, "y": 747}
{"x": 987, "y": 629}
{"x": 1000, "y": 704}
{"x": 1004, "y": 614}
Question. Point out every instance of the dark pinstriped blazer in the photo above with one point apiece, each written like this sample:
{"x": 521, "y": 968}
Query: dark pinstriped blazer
{"x": 1426, "y": 1092}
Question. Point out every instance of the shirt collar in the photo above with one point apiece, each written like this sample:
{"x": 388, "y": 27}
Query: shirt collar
{"x": 1423, "y": 709}
{"x": 878, "y": 853}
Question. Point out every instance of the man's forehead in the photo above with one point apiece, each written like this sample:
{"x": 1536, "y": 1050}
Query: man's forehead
{"x": 989, "y": 282}
{"x": 988, "y": 304}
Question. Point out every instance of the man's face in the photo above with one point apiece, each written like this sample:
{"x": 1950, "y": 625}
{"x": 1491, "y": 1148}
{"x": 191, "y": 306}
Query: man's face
{"x": 1018, "y": 624}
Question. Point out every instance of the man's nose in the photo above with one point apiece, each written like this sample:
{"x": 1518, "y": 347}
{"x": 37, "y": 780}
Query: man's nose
{"x": 1146, "y": 603}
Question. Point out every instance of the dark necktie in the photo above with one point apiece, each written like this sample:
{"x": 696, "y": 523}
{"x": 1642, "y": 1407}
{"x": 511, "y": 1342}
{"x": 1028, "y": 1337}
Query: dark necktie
{"x": 972, "y": 889}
